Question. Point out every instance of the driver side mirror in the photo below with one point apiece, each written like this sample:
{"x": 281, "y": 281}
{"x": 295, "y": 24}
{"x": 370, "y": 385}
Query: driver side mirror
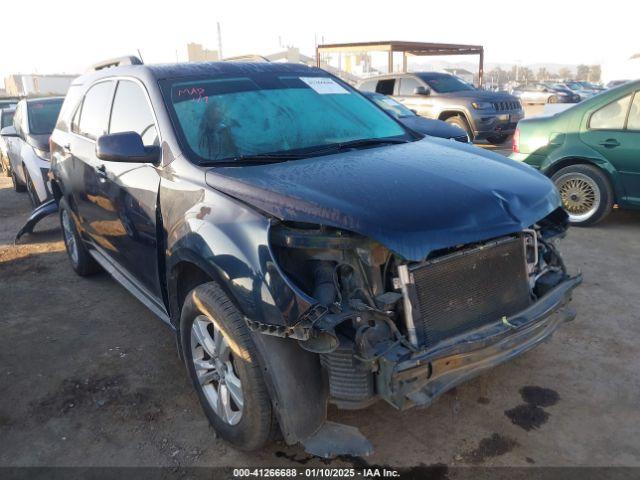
{"x": 125, "y": 147}
{"x": 9, "y": 131}
{"x": 422, "y": 91}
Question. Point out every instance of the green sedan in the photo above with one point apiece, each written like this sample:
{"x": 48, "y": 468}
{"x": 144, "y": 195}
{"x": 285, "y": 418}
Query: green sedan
{"x": 591, "y": 151}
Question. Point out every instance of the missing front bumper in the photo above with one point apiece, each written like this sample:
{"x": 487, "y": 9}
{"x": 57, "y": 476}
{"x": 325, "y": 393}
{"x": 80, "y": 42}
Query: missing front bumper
{"x": 425, "y": 375}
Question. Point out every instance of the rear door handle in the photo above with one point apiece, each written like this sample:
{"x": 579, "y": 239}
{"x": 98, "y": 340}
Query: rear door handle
{"x": 610, "y": 143}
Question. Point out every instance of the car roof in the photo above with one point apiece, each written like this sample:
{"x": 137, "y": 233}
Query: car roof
{"x": 43, "y": 99}
{"x": 197, "y": 69}
{"x": 424, "y": 75}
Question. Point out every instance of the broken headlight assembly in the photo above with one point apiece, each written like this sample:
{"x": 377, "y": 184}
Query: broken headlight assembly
{"x": 372, "y": 312}
{"x": 350, "y": 277}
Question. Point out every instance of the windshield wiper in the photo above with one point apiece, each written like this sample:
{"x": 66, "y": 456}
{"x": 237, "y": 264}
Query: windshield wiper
{"x": 283, "y": 157}
{"x": 367, "y": 142}
{"x": 255, "y": 158}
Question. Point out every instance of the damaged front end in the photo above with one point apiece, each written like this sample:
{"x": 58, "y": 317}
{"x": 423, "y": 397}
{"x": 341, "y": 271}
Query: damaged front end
{"x": 406, "y": 332}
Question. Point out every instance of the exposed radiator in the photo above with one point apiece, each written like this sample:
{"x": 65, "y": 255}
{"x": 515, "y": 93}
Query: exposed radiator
{"x": 468, "y": 289}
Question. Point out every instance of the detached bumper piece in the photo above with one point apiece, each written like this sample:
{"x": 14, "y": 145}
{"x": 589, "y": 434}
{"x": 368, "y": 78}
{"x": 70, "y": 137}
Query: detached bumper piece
{"x": 406, "y": 379}
{"x": 38, "y": 214}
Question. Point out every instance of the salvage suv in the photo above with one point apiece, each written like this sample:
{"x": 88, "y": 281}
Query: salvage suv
{"x": 483, "y": 115}
{"x": 304, "y": 246}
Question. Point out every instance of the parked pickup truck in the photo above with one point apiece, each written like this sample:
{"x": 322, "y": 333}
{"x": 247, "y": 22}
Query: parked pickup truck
{"x": 483, "y": 115}
{"x": 302, "y": 244}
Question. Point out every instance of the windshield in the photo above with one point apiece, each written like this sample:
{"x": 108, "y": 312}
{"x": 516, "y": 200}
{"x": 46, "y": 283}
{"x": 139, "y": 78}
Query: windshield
{"x": 7, "y": 119}
{"x": 223, "y": 119}
{"x": 43, "y": 115}
{"x": 446, "y": 83}
{"x": 390, "y": 105}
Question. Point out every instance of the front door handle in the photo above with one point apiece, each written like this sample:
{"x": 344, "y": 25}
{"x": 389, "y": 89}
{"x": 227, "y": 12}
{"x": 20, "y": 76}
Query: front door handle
{"x": 610, "y": 143}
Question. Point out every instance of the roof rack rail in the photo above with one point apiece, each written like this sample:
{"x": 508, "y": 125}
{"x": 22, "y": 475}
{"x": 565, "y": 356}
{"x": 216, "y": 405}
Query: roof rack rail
{"x": 116, "y": 62}
{"x": 247, "y": 58}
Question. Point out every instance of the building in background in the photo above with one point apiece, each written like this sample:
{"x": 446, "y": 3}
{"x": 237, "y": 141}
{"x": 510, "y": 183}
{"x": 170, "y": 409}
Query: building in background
{"x": 196, "y": 53}
{"x": 34, "y": 85}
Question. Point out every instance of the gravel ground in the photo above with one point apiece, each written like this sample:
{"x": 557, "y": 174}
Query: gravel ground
{"x": 90, "y": 377}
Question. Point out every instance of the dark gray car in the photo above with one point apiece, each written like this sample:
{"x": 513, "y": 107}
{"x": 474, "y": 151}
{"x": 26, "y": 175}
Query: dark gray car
{"x": 484, "y": 115}
{"x": 410, "y": 119}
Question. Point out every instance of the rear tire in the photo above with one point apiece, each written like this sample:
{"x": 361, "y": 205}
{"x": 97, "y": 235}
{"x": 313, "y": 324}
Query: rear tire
{"x": 81, "y": 260}
{"x": 461, "y": 122}
{"x": 586, "y": 193}
{"x": 552, "y": 99}
{"x": 222, "y": 362}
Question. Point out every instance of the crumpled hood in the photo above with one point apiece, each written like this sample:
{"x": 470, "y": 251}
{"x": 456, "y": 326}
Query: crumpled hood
{"x": 413, "y": 198}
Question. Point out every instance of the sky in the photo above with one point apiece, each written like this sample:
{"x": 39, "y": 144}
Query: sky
{"x": 66, "y": 36}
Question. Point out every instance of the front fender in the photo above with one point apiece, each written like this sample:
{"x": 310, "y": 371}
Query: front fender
{"x": 229, "y": 242}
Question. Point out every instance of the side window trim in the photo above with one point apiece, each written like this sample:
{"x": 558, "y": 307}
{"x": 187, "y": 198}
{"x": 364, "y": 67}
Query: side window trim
{"x": 81, "y": 105}
{"x": 626, "y": 118}
{"x": 75, "y": 122}
{"x": 147, "y": 97}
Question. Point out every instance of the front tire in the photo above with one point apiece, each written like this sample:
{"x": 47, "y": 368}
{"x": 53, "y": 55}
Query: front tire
{"x": 552, "y": 99}
{"x": 586, "y": 193}
{"x": 222, "y": 362}
{"x": 461, "y": 122}
{"x": 31, "y": 189}
{"x": 81, "y": 260}
{"x": 17, "y": 186}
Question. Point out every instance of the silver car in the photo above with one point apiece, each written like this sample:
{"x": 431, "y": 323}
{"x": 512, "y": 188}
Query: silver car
{"x": 541, "y": 93}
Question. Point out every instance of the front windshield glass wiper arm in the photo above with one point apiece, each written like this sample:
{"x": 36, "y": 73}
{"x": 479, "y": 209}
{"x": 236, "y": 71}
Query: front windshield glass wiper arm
{"x": 370, "y": 141}
{"x": 283, "y": 157}
{"x": 254, "y": 158}
{"x": 366, "y": 142}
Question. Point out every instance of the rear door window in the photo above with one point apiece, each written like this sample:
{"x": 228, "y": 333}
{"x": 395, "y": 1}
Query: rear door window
{"x": 94, "y": 116}
{"x": 385, "y": 87}
{"x": 131, "y": 113}
{"x": 407, "y": 86}
{"x": 611, "y": 116}
{"x": 368, "y": 86}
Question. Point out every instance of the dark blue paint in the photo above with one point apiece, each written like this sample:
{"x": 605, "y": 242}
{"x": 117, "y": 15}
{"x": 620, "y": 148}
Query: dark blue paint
{"x": 434, "y": 128}
{"x": 413, "y": 198}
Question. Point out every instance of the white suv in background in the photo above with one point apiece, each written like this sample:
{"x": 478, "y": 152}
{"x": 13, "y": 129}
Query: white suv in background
{"x": 6, "y": 120}
{"x": 28, "y": 152}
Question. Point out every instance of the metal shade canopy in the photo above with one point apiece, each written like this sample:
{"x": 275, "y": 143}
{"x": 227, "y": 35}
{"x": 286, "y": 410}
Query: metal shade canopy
{"x": 407, "y": 48}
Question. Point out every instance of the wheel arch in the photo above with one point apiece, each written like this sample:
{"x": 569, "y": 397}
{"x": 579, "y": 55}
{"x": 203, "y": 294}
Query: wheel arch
{"x": 448, "y": 113}
{"x": 292, "y": 375}
{"x": 603, "y": 165}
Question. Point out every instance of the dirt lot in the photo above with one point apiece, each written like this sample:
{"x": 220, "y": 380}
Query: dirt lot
{"x": 90, "y": 377}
